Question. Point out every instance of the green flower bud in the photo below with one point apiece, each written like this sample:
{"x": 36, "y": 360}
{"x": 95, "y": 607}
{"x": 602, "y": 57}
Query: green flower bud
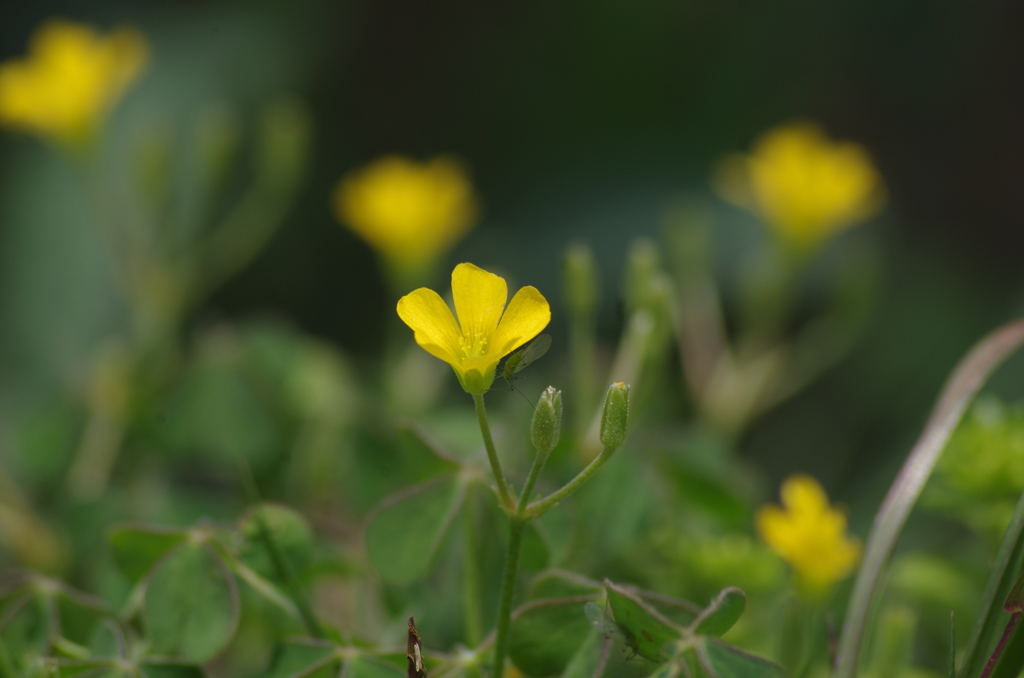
{"x": 615, "y": 415}
{"x": 580, "y": 283}
{"x": 547, "y": 420}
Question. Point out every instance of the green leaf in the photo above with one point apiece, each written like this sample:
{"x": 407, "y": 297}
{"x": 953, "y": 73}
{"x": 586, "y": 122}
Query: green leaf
{"x": 722, "y": 614}
{"x": 677, "y": 610}
{"x": 724, "y": 661}
{"x": 216, "y": 416}
{"x": 107, "y": 641}
{"x": 79, "y": 614}
{"x": 647, "y": 631}
{"x": 365, "y": 666}
{"x": 535, "y": 552}
{"x": 88, "y": 668}
{"x": 26, "y": 628}
{"x": 545, "y": 635}
{"x": 155, "y": 669}
{"x": 304, "y": 658}
{"x": 587, "y": 661}
{"x": 137, "y": 549}
{"x": 191, "y": 607}
{"x": 405, "y": 531}
{"x": 562, "y": 584}
{"x": 290, "y": 533}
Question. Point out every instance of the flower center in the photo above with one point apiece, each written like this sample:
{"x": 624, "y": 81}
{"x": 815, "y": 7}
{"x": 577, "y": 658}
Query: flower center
{"x": 474, "y": 346}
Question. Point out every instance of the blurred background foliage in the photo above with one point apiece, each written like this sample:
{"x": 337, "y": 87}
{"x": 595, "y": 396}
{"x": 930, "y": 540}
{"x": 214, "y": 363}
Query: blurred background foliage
{"x": 130, "y": 384}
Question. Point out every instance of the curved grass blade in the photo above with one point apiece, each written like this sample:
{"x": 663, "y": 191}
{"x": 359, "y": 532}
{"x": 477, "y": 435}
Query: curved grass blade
{"x": 972, "y": 371}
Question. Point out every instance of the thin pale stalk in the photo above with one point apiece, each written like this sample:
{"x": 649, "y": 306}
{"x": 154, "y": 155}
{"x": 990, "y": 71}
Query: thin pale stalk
{"x": 492, "y": 455}
{"x": 965, "y": 381}
{"x": 508, "y": 589}
{"x": 584, "y": 357}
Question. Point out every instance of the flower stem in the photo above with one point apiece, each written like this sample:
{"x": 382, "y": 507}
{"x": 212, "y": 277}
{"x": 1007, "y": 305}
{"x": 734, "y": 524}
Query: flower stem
{"x": 531, "y": 480}
{"x": 485, "y": 430}
{"x": 1010, "y": 626}
{"x": 508, "y": 588}
{"x": 542, "y": 506}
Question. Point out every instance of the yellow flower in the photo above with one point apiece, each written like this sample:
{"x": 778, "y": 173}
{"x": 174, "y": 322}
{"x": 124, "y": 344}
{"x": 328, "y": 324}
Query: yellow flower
{"x": 409, "y": 212}
{"x": 805, "y": 186}
{"x": 483, "y": 335}
{"x": 70, "y": 80}
{"x": 809, "y": 534}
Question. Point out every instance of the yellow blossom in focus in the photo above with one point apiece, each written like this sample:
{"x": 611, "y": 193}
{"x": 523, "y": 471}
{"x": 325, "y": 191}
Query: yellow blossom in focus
{"x": 409, "y": 212}
{"x": 70, "y": 80}
{"x": 809, "y": 534}
{"x": 804, "y": 185}
{"x": 485, "y": 332}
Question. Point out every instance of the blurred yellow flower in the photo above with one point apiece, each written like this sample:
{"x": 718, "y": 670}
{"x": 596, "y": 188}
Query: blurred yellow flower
{"x": 71, "y": 78}
{"x": 409, "y": 212}
{"x": 804, "y": 185}
{"x": 809, "y": 534}
{"x": 483, "y": 335}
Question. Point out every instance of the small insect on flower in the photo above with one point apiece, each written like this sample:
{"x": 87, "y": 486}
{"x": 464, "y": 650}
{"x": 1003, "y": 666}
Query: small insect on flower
{"x": 524, "y": 357}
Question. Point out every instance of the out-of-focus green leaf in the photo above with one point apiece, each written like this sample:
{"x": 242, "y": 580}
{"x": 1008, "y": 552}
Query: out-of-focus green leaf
{"x": 304, "y": 659}
{"x": 365, "y": 666}
{"x": 405, "y": 531}
{"x": 546, "y": 634}
{"x": 722, "y": 614}
{"x": 216, "y": 415}
{"x": 290, "y": 533}
{"x": 191, "y": 607}
{"x": 647, "y": 631}
{"x": 137, "y": 549}
{"x": 79, "y": 614}
{"x": 107, "y": 641}
{"x": 155, "y": 669}
{"x": 562, "y": 584}
{"x": 87, "y": 668}
{"x": 535, "y": 552}
{"x": 25, "y": 631}
{"x": 724, "y": 661}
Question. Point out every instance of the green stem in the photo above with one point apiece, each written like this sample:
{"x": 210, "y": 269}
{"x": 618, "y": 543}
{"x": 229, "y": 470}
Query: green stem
{"x": 470, "y": 573}
{"x": 508, "y": 589}
{"x": 507, "y": 502}
{"x": 542, "y": 506}
{"x": 531, "y": 480}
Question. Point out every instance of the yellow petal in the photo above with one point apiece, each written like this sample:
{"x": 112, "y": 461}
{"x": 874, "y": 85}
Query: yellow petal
{"x": 527, "y": 314}
{"x": 479, "y": 299}
{"x": 432, "y": 322}
{"x": 803, "y": 495}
